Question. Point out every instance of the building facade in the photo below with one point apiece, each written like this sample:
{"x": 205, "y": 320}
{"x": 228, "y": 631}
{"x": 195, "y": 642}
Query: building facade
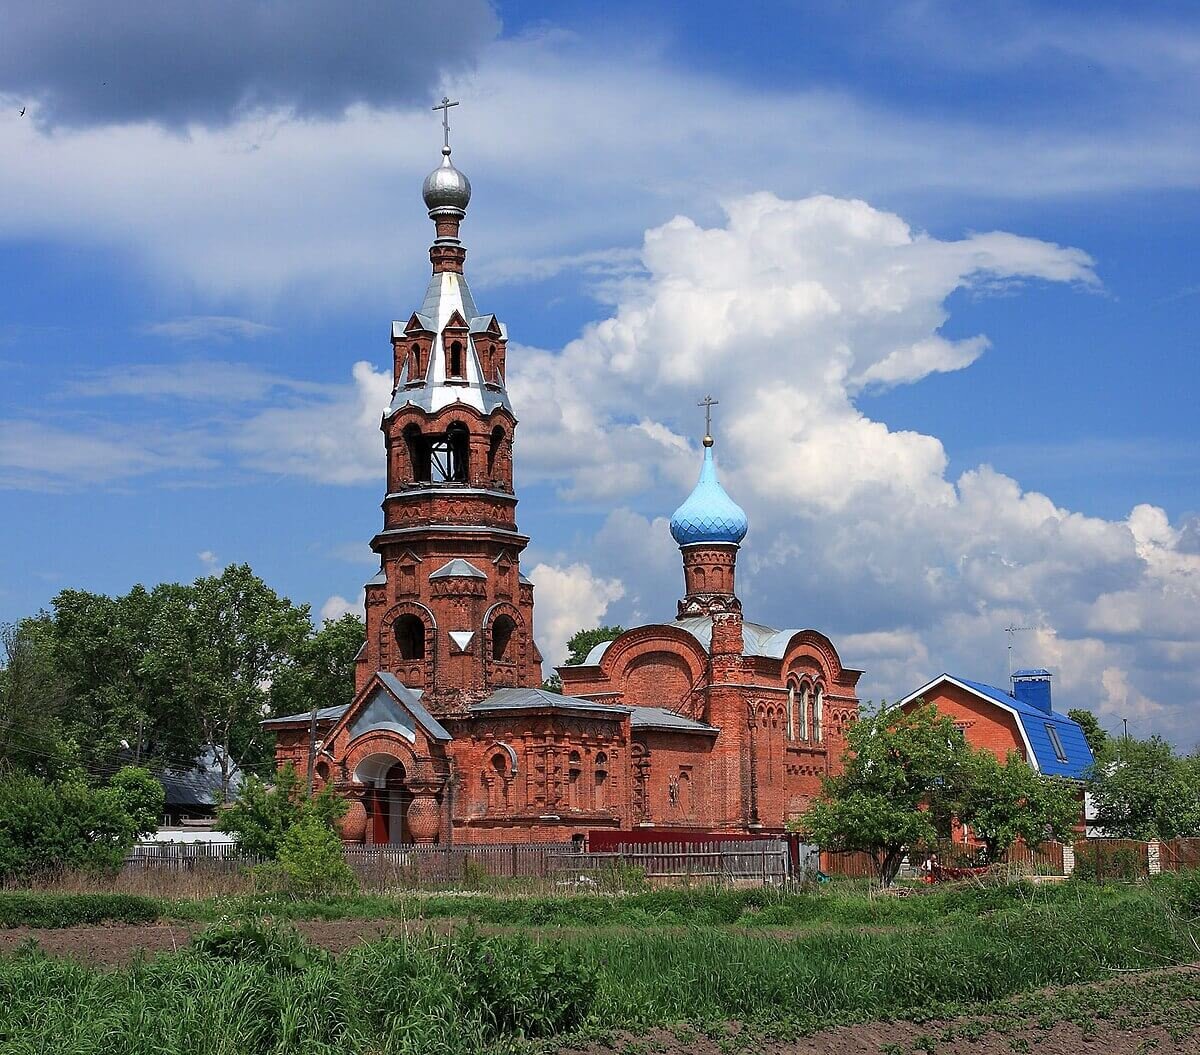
{"x": 706, "y": 722}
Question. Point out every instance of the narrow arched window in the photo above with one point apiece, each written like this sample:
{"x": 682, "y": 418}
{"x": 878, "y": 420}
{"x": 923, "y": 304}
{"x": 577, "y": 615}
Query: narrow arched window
{"x": 410, "y": 637}
{"x": 418, "y": 453}
{"x": 819, "y": 715}
{"x": 495, "y": 367}
{"x": 502, "y": 632}
{"x": 601, "y": 781}
{"x": 497, "y": 441}
{"x": 805, "y": 703}
{"x": 791, "y": 711}
{"x": 574, "y": 773}
{"x": 415, "y": 370}
{"x": 454, "y": 364}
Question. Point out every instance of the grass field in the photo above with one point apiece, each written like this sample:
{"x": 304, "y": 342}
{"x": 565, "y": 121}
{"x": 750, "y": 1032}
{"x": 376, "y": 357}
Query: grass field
{"x": 779, "y": 964}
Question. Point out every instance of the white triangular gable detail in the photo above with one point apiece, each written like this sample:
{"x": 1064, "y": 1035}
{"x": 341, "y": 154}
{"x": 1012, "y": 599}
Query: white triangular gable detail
{"x": 462, "y": 639}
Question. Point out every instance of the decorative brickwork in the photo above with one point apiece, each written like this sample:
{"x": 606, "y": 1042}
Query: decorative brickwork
{"x": 705, "y": 724}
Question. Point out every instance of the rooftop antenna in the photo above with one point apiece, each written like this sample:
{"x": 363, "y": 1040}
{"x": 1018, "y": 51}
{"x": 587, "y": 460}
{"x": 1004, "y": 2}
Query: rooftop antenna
{"x": 1012, "y": 631}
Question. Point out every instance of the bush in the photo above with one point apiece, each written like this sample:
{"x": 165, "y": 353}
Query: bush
{"x": 51, "y": 826}
{"x": 310, "y": 863}
{"x": 262, "y": 815}
{"x": 19, "y": 909}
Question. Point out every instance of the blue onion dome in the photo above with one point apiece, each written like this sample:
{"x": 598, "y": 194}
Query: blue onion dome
{"x": 709, "y": 514}
{"x": 446, "y": 186}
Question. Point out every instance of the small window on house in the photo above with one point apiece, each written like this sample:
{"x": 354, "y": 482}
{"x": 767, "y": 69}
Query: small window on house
{"x": 454, "y": 361}
{"x": 502, "y": 632}
{"x": 410, "y": 637}
{"x": 1056, "y": 742}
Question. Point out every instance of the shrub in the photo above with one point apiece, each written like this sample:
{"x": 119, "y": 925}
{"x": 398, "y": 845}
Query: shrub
{"x": 310, "y": 863}
{"x": 50, "y": 826}
{"x": 20, "y": 909}
{"x": 262, "y": 815}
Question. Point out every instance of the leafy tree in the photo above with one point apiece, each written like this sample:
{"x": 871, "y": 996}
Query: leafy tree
{"x": 262, "y": 815}
{"x": 1092, "y": 732}
{"x": 322, "y": 671}
{"x": 46, "y": 826}
{"x": 583, "y": 641}
{"x": 1006, "y": 801}
{"x": 33, "y": 701}
{"x": 1141, "y": 789}
{"x": 902, "y": 772}
{"x": 217, "y": 649}
{"x": 141, "y": 795}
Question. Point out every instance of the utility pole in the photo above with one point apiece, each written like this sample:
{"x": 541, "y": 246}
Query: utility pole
{"x": 312, "y": 745}
{"x": 1125, "y": 729}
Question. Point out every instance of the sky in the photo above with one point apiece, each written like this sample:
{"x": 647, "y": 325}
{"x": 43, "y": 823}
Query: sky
{"x": 936, "y": 262}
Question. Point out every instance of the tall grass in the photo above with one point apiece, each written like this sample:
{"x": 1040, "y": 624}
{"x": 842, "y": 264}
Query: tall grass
{"x": 242, "y": 989}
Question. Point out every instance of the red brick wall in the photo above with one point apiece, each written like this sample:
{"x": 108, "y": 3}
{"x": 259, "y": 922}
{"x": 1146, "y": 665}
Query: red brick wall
{"x": 985, "y": 725}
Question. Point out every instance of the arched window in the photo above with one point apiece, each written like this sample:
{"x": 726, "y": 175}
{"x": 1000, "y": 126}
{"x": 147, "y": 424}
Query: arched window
{"x": 415, "y": 369}
{"x": 410, "y": 637}
{"x": 502, "y": 632}
{"x": 791, "y": 711}
{"x": 819, "y": 715}
{"x": 454, "y": 360}
{"x": 439, "y": 458}
{"x": 494, "y": 446}
{"x": 418, "y": 453}
{"x": 574, "y": 772}
{"x": 601, "y": 780}
{"x": 805, "y": 704}
{"x": 495, "y": 367}
{"x": 498, "y": 782}
{"x": 683, "y": 794}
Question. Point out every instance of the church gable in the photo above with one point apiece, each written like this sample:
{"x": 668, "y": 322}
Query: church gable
{"x": 386, "y": 705}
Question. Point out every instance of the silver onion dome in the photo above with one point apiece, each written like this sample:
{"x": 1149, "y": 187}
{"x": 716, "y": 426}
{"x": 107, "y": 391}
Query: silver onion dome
{"x": 446, "y": 187}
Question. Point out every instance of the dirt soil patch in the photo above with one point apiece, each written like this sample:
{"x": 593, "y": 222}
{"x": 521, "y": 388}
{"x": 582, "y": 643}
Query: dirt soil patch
{"x": 120, "y": 944}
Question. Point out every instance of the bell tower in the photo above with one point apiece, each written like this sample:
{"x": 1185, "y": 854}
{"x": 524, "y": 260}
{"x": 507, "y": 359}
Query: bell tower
{"x": 449, "y": 612}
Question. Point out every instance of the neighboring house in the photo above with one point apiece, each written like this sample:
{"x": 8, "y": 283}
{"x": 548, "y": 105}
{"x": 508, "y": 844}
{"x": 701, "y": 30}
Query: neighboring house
{"x": 194, "y": 793}
{"x": 1022, "y": 720}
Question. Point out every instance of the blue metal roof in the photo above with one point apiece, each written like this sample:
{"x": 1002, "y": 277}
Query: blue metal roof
{"x": 709, "y": 514}
{"x": 1031, "y": 672}
{"x": 1034, "y": 724}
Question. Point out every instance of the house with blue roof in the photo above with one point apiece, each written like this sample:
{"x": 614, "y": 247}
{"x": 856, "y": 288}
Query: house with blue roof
{"x": 1021, "y": 720}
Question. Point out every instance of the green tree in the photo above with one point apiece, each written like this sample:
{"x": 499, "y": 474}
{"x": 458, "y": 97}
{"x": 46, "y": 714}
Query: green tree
{"x": 1006, "y": 801}
{"x": 1092, "y": 732}
{"x": 215, "y": 651}
{"x": 262, "y": 815}
{"x": 1141, "y": 789}
{"x": 902, "y": 772}
{"x": 141, "y": 795}
{"x": 583, "y": 641}
{"x": 47, "y": 826}
{"x": 322, "y": 672}
{"x": 33, "y": 701}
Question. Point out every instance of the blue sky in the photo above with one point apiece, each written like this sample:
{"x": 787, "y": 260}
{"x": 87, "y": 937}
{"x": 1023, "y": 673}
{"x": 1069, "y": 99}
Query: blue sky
{"x": 938, "y": 266}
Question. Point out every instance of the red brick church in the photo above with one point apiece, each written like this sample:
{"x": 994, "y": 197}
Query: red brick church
{"x": 704, "y": 723}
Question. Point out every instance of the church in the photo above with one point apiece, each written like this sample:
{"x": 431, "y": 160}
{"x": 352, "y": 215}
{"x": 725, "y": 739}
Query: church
{"x": 705, "y": 723}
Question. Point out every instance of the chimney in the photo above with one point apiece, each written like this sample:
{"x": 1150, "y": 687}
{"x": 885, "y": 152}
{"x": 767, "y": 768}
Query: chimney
{"x": 1032, "y": 686}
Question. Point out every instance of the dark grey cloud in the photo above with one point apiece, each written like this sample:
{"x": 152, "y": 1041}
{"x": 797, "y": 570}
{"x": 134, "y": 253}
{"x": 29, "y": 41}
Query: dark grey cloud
{"x": 177, "y": 62}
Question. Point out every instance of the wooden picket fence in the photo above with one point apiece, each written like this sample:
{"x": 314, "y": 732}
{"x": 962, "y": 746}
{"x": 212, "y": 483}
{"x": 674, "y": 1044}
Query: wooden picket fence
{"x": 757, "y": 861}
{"x": 378, "y": 867}
{"x": 212, "y": 857}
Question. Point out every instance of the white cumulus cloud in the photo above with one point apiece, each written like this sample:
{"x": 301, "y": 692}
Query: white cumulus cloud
{"x": 568, "y": 598}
